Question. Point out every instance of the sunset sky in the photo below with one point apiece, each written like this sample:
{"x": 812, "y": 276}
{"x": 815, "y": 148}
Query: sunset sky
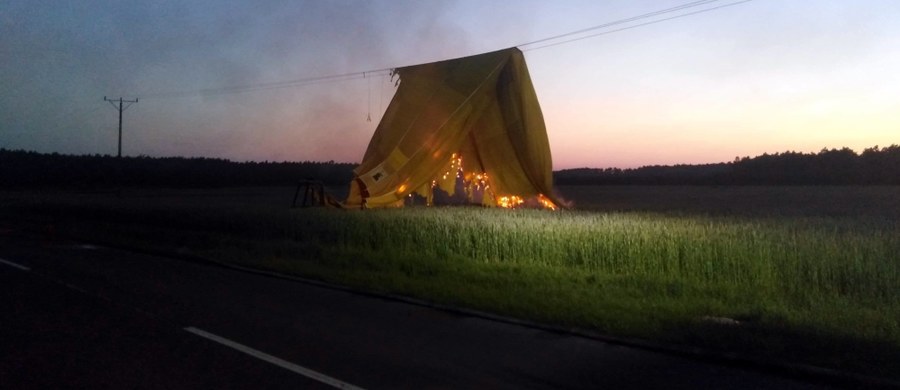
{"x": 760, "y": 76}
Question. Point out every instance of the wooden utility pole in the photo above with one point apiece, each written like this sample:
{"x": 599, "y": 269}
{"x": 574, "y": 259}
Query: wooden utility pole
{"x": 120, "y": 108}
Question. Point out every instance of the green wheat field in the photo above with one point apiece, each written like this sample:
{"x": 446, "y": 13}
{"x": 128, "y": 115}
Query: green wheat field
{"x": 806, "y": 275}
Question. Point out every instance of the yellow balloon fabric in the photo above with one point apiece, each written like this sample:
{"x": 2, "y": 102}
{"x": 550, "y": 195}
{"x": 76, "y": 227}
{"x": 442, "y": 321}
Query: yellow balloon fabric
{"x": 476, "y": 115}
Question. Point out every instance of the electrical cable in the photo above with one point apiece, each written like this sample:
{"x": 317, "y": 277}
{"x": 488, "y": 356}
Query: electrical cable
{"x": 386, "y": 71}
{"x": 621, "y": 21}
{"x": 267, "y": 86}
{"x": 634, "y": 26}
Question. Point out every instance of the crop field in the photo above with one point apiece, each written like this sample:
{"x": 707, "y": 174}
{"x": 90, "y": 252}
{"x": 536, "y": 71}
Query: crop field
{"x": 802, "y": 274}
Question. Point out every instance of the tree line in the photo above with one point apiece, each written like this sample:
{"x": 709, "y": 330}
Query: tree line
{"x": 25, "y": 169}
{"x": 874, "y": 166}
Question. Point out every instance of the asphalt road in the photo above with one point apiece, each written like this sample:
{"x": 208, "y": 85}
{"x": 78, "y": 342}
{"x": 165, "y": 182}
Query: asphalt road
{"x": 82, "y": 317}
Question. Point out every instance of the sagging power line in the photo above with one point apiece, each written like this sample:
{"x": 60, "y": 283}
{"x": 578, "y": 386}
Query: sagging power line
{"x": 620, "y": 29}
{"x": 618, "y": 22}
{"x": 527, "y": 46}
{"x": 120, "y": 108}
{"x": 271, "y": 85}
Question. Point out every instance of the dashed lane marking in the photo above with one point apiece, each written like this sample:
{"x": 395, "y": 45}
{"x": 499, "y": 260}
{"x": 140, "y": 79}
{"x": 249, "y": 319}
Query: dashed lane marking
{"x": 14, "y": 265}
{"x": 274, "y": 360}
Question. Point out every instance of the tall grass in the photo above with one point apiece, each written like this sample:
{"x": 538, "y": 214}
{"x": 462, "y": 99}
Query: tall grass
{"x": 792, "y": 280}
{"x": 794, "y": 258}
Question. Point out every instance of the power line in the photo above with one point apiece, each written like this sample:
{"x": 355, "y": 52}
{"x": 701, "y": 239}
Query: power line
{"x": 524, "y": 46}
{"x": 271, "y": 85}
{"x": 621, "y": 21}
{"x": 634, "y": 26}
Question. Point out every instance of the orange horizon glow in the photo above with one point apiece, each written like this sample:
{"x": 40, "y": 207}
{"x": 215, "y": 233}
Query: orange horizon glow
{"x": 695, "y": 90}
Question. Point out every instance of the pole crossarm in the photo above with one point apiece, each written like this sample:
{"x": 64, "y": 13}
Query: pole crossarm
{"x": 120, "y": 99}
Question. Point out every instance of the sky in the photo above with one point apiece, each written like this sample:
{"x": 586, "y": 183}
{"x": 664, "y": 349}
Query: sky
{"x": 758, "y": 77}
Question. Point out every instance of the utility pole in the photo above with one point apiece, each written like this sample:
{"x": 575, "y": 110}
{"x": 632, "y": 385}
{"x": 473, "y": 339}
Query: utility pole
{"x": 120, "y": 108}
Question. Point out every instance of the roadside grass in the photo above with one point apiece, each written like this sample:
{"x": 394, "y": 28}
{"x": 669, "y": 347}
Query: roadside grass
{"x": 821, "y": 290}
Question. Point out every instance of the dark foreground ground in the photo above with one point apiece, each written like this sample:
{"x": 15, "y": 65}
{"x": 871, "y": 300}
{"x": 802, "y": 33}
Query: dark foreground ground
{"x": 86, "y": 317}
{"x": 743, "y": 201}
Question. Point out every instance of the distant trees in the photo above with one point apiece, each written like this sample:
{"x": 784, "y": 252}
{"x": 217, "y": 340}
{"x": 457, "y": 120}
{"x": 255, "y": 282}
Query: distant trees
{"x": 828, "y": 167}
{"x": 21, "y": 169}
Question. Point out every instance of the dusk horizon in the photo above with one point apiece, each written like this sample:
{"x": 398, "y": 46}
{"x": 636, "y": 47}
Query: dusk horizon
{"x": 365, "y": 194}
{"x": 555, "y": 168}
{"x": 697, "y": 89}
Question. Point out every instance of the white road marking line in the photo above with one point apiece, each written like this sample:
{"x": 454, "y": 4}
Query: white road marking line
{"x": 14, "y": 265}
{"x": 274, "y": 360}
{"x": 76, "y": 288}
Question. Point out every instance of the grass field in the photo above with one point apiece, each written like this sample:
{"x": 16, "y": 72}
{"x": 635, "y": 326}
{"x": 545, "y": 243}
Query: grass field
{"x": 812, "y": 274}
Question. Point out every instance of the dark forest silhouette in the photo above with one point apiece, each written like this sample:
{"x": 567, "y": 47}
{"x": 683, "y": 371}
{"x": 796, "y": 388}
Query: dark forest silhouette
{"x": 874, "y": 166}
{"x": 23, "y": 169}
{"x": 20, "y": 169}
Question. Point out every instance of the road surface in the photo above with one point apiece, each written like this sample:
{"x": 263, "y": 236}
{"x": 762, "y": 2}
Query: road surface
{"x": 88, "y": 317}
